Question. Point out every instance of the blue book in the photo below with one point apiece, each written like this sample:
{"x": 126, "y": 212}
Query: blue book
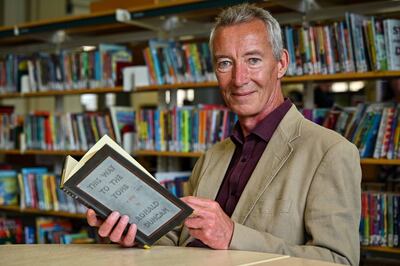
{"x": 30, "y": 189}
{"x": 8, "y": 187}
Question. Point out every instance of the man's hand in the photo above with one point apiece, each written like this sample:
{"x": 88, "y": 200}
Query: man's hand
{"x": 209, "y": 223}
{"x": 113, "y": 227}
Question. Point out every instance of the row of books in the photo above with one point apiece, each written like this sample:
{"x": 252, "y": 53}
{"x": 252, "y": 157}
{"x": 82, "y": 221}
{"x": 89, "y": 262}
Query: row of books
{"x": 380, "y": 219}
{"x": 359, "y": 43}
{"x": 373, "y": 127}
{"x": 175, "y": 182}
{"x": 42, "y": 130}
{"x": 45, "y": 231}
{"x": 37, "y": 188}
{"x": 69, "y": 69}
{"x": 170, "y": 62}
{"x": 183, "y": 129}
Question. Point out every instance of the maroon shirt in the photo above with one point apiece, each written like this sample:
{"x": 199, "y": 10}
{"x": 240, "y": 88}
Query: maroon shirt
{"x": 247, "y": 153}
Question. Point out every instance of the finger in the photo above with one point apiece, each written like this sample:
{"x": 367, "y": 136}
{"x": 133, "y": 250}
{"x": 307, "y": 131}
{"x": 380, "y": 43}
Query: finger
{"x": 106, "y": 227}
{"x": 194, "y": 223}
{"x": 118, "y": 230}
{"x": 129, "y": 239}
{"x": 92, "y": 218}
{"x": 196, "y": 233}
{"x": 196, "y": 202}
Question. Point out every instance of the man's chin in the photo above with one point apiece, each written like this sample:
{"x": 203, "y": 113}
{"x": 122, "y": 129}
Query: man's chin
{"x": 244, "y": 112}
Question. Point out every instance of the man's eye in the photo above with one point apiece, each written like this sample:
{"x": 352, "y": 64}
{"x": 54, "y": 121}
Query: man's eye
{"x": 254, "y": 61}
{"x": 224, "y": 65}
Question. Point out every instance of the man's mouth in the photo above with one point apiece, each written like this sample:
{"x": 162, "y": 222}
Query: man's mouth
{"x": 242, "y": 93}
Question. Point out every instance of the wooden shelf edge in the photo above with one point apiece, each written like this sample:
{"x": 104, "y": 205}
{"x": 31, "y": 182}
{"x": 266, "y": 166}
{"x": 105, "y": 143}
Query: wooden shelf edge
{"x": 117, "y": 89}
{"x": 199, "y": 85}
{"x": 381, "y": 249}
{"x": 380, "y": 161}
{"x": 176, "y": 86}
{"x": 167, "y": 153}
{"x": 42, "y": 212}
{"x": 291, "y": 79}
{"x": 42, "y": 152}
{"x": 342, "y": 76}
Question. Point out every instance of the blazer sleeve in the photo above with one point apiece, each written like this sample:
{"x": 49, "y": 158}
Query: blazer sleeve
{"x": 332, "y": 213}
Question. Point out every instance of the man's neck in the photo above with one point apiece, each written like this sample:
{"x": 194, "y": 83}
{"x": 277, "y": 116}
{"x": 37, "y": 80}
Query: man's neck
{"x": 248, "y": 123}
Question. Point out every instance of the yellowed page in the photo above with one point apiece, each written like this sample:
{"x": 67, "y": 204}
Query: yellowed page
{"x": 103, "y": 141}
{"x": 69, "y": 164}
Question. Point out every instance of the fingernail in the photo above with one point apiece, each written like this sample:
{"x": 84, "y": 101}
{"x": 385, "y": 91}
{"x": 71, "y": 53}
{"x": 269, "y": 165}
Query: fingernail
{"x": 114, "y": 214}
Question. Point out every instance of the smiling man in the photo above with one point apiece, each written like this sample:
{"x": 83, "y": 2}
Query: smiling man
{"x": 280, "y": 183}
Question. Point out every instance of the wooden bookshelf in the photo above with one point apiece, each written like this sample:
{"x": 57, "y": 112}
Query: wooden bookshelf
{"x": 292, "y": 79}
{"x": 381, "y": 249}
{"x": 43, "y": 152}
{"x": 117, "y": 89}
{"x": 167, "y": 153}
{"x": 17, "y": 209}
{"x": 368, "y": 161}
{"x": 380, "y": 161}
{"x": 343, "y": 76}
{"x": 200, "y": 85}
{"x": 189, "y": 85}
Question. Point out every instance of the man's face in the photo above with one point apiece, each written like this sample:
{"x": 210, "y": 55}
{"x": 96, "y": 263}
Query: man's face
{"x": 246, "y": 70}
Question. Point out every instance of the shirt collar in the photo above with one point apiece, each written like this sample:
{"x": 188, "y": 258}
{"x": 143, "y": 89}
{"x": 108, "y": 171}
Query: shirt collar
{"x": 266, "y": 127}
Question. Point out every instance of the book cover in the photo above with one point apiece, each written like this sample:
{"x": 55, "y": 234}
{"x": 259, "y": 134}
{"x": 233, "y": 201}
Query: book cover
{"x": 107, "y": 178}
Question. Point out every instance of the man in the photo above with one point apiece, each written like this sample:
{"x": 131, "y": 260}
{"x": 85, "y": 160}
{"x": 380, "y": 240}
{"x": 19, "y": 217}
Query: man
{"x": 280, "y": 184}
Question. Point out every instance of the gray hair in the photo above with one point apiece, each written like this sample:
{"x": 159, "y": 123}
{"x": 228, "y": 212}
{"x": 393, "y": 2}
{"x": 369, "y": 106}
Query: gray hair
{"x": 246, "y": 13}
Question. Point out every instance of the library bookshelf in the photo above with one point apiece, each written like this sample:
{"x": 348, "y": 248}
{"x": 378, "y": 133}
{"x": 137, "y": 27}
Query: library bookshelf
{"x": 200, "y": 85}
{"x": 287, "y": 79}
{"x": 33, "y": 211}
{"x": 381, "y": 249}
{"x": 364, "y": 161}
{"x": 49, "y": 93}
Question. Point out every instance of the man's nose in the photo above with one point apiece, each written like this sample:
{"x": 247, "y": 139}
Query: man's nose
{"x": 240, "y": 75}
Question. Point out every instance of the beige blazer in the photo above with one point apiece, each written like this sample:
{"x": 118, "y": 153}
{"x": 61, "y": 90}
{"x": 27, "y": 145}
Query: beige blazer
{"x": 303, "y": 198}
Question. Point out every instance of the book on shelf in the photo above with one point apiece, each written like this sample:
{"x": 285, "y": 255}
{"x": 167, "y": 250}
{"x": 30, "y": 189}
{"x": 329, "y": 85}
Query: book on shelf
{"x": 8, "y": 187}
{"x": 123, "y": 121}
{"x": 392, "y": 37}
{"x": 108, "y": 179}
{"x": 183, "y": 129}
{"x": 373, "y": 127}
{"x": 379, "y": 224}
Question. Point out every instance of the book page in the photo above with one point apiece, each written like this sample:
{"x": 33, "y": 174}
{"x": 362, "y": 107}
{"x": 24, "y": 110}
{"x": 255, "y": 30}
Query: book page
{"x": 103, "y": 141}
{"x": 69, "y": 164}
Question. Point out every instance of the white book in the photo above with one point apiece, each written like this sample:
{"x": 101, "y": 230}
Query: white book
{"x": 392, "y": 40}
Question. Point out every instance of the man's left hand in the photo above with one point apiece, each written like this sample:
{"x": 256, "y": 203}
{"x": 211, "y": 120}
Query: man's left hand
{"x": 209, "y": 223}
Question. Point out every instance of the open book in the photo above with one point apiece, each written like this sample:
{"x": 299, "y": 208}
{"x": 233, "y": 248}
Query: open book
{"x": 108, "y": 179}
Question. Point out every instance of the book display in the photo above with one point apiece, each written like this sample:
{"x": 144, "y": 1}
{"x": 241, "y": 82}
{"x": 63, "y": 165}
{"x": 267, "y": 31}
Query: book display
{"x": 343, "y": 46}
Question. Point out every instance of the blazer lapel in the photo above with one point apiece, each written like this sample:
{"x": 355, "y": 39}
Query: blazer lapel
{"x": 272, "y": 160}
{"x": 213, "y": 176}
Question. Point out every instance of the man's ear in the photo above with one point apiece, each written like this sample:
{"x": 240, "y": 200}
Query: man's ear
{"x": 283, "y": 63}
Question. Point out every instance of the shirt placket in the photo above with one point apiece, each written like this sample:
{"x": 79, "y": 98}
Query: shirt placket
{"x": 237, "y": 173}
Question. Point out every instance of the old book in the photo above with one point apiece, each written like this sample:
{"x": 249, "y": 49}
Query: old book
{"x": 108, "y": 179}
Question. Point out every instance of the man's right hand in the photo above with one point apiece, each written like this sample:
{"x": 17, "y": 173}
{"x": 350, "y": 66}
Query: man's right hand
{"x": 113, "y": 227}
